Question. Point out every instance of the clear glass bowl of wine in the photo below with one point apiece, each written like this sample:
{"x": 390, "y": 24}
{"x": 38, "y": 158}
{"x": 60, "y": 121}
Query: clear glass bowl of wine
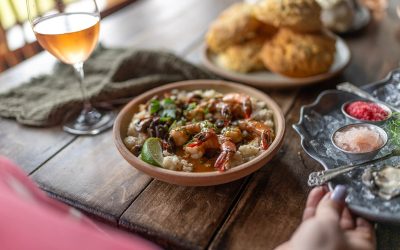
{"x": 71, "y": 33}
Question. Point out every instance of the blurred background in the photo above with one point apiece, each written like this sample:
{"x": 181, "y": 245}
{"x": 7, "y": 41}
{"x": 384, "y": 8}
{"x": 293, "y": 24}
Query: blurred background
{"x": 17, "y": 41}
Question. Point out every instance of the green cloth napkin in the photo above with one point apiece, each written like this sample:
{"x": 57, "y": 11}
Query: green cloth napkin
{"x": 110, "y": 74}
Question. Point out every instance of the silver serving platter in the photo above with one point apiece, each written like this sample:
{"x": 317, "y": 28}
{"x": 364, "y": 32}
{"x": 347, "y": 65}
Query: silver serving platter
{"x": 321, "y": 118}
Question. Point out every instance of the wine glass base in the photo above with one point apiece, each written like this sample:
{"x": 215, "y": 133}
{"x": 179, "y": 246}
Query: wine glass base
{"x": 99, "y": 122}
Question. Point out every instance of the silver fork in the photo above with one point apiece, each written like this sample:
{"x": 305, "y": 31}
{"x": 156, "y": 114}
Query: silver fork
{"x": 321, "y": 177}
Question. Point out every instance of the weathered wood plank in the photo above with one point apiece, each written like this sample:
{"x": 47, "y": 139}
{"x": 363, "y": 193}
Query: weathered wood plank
{"x": 375, "y": 50}
{"x": 189, "y": 24}
{"x": 387, "y": 237}
{"x": 30, "y": 147}
{"x": 90, "y": 174}
{"x": 141, "y": 18}
{"x": 178, "y": 217}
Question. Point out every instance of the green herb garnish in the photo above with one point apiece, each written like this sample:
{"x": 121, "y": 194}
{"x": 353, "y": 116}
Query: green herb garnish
{"x": 171, "y": 113}
{"x": 206, "y": 125}
{"x": 168, "y": 111}
{"x": 173, "y": 125}
{"x": 154, "y": 106}
{"x": 165, "y": 119}
{"x": 191, "y": 106}
{"x": 168, "y": 103}
{"x": 393, "y": 127}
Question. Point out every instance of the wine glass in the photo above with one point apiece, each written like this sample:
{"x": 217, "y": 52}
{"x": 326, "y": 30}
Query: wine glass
{"x": 70, "y": 33}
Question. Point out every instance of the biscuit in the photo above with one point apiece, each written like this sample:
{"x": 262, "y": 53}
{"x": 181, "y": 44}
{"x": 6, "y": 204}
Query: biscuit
{"x": 234, "y": 25}
{"x": 242, "y": 57}
{"x": 300, "y": 15}
{"x": 299, "y": 54}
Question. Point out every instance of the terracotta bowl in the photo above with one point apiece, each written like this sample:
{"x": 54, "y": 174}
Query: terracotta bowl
{"x": 198, "y": 179}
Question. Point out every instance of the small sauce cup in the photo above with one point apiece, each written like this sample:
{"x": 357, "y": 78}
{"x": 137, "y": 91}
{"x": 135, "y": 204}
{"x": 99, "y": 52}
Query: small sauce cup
{"x": 354, "y": 119}
{"x": 361, "y": 156}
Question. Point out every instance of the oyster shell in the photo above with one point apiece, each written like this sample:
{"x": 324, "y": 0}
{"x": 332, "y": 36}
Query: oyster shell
{"x": 385, "y": 181}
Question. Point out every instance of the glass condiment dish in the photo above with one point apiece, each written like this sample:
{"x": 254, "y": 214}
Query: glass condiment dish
{"x": 361, "y": 156}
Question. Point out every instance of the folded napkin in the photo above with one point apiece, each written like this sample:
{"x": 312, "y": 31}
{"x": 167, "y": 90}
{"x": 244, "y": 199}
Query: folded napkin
{"x": 110, "y": 74}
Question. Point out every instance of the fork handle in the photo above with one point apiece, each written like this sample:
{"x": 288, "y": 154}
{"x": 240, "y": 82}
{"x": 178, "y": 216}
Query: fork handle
{"x": 321, "y": 177}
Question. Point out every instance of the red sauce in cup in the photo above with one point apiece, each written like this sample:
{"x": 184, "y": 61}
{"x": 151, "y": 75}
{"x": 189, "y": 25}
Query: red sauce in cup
{"x": 367, "y": 111}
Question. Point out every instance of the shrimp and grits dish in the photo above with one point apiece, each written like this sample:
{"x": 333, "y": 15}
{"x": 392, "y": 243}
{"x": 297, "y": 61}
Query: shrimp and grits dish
{"x": 200, "y": 130}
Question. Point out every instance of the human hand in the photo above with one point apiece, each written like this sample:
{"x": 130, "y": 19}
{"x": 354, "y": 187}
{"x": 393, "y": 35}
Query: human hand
{"x": 328, "y": 224}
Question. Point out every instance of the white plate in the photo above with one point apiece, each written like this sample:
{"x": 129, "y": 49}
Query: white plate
{"x": 268, "y": 79}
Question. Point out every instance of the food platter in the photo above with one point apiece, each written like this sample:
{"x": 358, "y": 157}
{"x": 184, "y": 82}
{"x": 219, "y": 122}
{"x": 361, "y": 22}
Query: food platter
{"x": 204, "y": 178}
{"x": 267, "y": 79}
{"x": 317, "y": 123}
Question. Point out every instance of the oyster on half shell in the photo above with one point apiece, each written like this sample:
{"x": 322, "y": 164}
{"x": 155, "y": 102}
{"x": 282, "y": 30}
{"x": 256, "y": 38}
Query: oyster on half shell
{"x": 385, "y": 181}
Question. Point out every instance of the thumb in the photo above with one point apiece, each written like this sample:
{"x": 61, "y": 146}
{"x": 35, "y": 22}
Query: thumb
{"x": 332, "y": 205}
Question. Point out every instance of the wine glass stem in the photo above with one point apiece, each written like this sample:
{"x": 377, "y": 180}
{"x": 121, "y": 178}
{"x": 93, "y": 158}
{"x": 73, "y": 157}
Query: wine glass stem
{"x": 89, "y": 115}
{"x": 87, "y": 106}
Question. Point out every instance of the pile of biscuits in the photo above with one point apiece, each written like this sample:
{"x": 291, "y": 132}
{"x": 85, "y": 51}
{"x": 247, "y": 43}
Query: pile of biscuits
{"x": 283, "y": 36}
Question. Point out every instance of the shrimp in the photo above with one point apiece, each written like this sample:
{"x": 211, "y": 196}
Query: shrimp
{"x": 233, "y": 133}
{"x": 228, "y": 150}
{"x": 260, "y": 129}
{"x": 182, "y": 134}
{"x": 209, "y": 140}
{"x": 199, "y": 111}
{"x": 225, "y": 111}
{"x": 201, "y": 142}
{"x": 196, "y": 113}
{"x": 239, "y": 100}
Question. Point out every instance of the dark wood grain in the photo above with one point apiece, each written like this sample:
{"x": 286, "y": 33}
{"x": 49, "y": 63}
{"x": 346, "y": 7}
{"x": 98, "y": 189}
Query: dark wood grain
{"x": 30, "y": 147}
{"x": 90, "y": 174}
{"x": 387, "y": 237}
{"x": 256, "y": 212}
{"x": 186, "y": 216}
{"x": 375, "y": 50}
{"x": 141, "y": 20}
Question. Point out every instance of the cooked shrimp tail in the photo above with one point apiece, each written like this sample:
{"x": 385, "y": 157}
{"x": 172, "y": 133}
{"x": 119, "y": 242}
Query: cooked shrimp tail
{"x": 260, "y": 129}
{"x": 228, "y": 150}
{"x": 266, "y": 139}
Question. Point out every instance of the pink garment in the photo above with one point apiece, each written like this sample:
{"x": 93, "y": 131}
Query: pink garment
{"x": 31, "y": 220}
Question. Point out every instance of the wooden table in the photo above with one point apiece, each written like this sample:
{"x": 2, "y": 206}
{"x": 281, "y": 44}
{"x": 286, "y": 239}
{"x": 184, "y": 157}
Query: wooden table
{"x": 256, "y": 212}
